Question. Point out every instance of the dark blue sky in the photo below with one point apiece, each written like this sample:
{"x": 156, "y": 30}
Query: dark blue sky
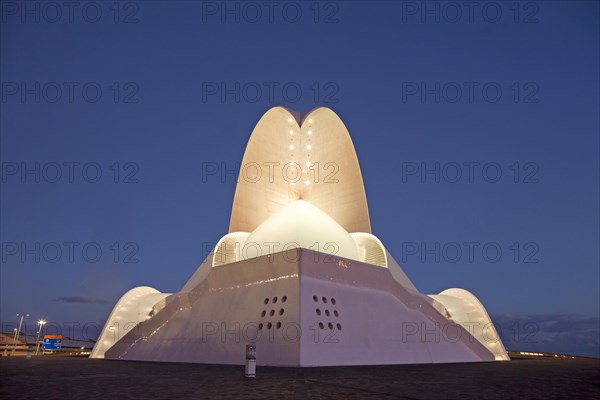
{"x": 497, "y": 88}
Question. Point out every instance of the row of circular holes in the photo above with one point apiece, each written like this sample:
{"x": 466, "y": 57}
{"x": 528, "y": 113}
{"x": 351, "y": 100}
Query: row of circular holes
{"x": 283, "y": 300}
{"x": 269, "y": 325}
{"x": 330, "y": 326}
{"x": 318, "y": 311}
{"x": 281, "y": 311}
{"x": 324, "y": 299}
{"x": 321, "y": 326}
{"x": 263, "y": 313}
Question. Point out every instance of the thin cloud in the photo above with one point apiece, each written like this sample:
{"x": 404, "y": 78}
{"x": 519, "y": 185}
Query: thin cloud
{"x": 561, "y": 333}
{"x": 81, "y": 299}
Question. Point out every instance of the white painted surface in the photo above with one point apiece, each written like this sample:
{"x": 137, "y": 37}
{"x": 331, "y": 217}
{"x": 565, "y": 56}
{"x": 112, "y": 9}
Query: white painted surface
{"x": 465, "y": 309}
{"x": 132, "y": 308}
{"x": 268, "y": 182}
{"x": 301, "y": 307}
{"x": 214, "y": 321}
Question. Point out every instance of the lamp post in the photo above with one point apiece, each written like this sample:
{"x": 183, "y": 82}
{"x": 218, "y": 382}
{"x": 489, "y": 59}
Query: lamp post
{"x": 19, "y": 330}
{"x": 41, "y": 322}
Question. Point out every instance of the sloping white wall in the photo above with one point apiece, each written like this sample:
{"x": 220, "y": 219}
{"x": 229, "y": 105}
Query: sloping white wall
{"x": 132, "y": 308}
{"x": 465, "y": 309}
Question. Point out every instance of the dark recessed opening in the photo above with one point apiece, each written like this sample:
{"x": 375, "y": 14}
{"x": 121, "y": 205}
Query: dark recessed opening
{"x": 262, "y": 314}
{"x": 330, "y": 325}
{"x": 281, "y": 312}
{"x": 321, "y": 325}
{"x": 274, "y": 300}
{"x": 315, "y": 298}
{"x": 269, "y": 325}
{"x": 324, "y": 300}
{"x": 278, "y": 325}
{"x": 284, "y": 299}
{"x": 332, "y": 301}
{"x": 336, "y": 313}
{"x": 266, "y": 301}
{"x": 260, "y": 326}
{"x": 272, "y": 312}
{"x": 339, "y": 326}
{"x": 318, "y": 311}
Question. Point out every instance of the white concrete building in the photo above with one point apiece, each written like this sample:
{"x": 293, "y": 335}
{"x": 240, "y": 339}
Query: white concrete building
{"x": 300, "y": 274}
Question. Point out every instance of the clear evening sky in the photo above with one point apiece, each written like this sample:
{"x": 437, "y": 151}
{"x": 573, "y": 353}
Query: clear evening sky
{"x": 476, "y": 128}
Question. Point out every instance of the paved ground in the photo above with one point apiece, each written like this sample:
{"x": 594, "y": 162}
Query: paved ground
{"x": 81, "y": 378}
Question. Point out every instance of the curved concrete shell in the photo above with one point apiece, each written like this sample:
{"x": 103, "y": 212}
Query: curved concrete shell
{"x": 370, "y": 249}
{"x": 300, "y": 274}
{"x": 462, "y": 307}
{"x": 135, "y": 306}
{"x": 313, "y": 161}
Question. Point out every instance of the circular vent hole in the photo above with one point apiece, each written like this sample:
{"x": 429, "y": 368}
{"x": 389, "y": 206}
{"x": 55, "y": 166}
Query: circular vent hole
{"x": 284, "y": 299}
{"x": 327, "y": 312}
{"x": 318, "y": 311}
{"x": 262, "y": 314}
{"x": 339, "y": 326}
{"x": 330, "y": 325}
{"x": 274, "y": 300}
{"x": 272, "y": 312}
{"x": 266, "y": 301}
{"x": 279, "y": 325}
{"x": 324, "y": 300}
{"x": 321, "y": 325}
{"x": 336, "y": 313}
{"x": 281, "y": 311}
{"x": 315, "y": 298}
{"x": 260, "y": 326}
{"x": 269, "y": 325}
{"x": 332, "y": 301}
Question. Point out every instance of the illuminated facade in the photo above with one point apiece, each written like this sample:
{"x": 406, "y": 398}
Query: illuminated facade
{"x": 300, "y": 274}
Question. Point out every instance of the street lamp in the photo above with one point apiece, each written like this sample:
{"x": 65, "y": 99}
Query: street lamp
{"x": 41, "y": 322}
{"x": 19, "y": 330}
{"x": 14, "y": 336}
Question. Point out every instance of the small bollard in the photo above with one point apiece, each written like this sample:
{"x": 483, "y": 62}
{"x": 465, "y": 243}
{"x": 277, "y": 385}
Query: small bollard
{"x": 250, "y": 360}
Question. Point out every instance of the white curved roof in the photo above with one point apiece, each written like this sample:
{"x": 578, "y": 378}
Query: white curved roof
{"x": 370, "y": 249}
{"x": 229, "y": 248}
{"x": 314, "y": 161}
{"x": 466, "y": 310}
{"x": 135, "y": 306}
{"x": 300, "y": 224}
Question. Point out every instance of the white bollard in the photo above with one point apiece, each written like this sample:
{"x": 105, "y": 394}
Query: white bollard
{"x": 250, "y": 360}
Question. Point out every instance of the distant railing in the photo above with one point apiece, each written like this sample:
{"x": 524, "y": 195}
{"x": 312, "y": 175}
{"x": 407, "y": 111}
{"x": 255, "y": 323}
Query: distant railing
{"x": 27, "y": 343}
